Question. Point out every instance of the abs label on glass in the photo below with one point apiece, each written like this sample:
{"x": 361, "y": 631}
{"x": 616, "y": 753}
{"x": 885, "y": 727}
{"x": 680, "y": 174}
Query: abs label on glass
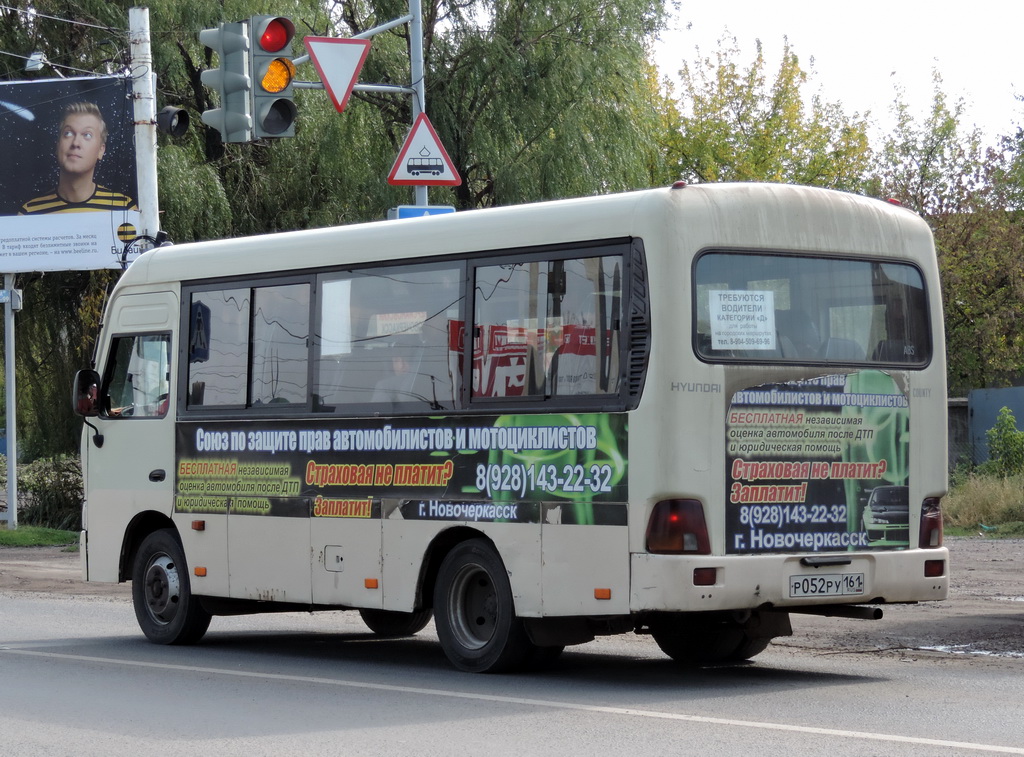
{"x": 818, "y": 465}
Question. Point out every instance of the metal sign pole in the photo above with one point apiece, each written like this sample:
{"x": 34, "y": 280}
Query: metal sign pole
{"x": 419, "y": 100}
{"x": 12, "y": 426}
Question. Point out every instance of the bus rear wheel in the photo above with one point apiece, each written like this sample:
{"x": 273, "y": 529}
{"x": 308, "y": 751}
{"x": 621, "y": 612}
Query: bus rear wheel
{"x": 475, "y": 614}
{"x": 167, "y": 611}
{"x": 393, "y": 623}
{"x": 697, "y": 642}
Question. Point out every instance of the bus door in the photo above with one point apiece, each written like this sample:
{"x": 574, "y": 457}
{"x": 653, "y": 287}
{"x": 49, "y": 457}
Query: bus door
{"x": 129, "y": 460}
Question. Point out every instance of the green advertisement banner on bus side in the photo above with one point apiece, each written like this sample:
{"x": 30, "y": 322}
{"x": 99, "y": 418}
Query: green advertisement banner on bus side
{"x": 494, "y": 468}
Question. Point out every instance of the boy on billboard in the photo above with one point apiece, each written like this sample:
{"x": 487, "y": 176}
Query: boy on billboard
{"x": 81, "y": 144}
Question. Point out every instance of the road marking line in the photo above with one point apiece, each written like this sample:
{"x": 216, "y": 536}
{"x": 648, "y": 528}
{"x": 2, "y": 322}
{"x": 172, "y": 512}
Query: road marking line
{"x": 603, "y": 709}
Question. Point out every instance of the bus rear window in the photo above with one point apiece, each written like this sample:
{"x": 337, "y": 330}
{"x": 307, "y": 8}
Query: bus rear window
{"x": 798, "y": 309}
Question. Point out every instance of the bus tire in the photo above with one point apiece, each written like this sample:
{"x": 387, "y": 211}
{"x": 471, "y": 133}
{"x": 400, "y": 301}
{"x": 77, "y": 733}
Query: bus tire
{"x": 167, "y": 611}
{"x": 696, "y": 643}
{"x": 393, "y": 623}
{"x": 474, "y": 612}
{"x": 543, "y": 657}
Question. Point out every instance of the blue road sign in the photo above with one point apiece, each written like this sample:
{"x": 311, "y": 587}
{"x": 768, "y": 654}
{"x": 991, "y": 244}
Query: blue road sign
{"x": 419, "y": 211}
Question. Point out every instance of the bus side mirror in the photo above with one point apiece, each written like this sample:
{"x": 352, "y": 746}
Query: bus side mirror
{"x": 85, "y": 398}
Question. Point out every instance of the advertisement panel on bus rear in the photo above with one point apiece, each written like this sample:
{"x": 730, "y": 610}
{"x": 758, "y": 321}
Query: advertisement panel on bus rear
{"x": 818, "y": 465}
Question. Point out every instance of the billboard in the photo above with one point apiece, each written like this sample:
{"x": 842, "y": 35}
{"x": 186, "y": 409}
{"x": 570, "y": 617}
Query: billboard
{"x": 68, "y": 191}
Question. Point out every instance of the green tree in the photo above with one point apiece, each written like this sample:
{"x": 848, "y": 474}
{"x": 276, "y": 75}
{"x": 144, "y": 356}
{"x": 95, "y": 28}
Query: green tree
{"x": 54, "y": 335}
{"x": 532, "y": 101}
{"x": 733, "y": 124}
{"x": 940, "y": 169}
{"x": 1011, "y": 174}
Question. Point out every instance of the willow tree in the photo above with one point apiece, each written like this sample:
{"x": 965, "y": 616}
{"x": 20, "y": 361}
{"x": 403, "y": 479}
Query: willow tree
{"x": 533, "y": 100}
{"x": 736, "y": 122}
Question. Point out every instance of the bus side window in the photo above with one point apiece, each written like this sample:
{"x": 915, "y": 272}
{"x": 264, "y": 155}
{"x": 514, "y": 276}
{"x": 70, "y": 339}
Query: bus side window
{"x": 549, "y": 327}
{"x": 384, "y": 337}
{"x": 138, "y": 377}
{"x": 219, "y": 347}
{"x": 280, "y": 334}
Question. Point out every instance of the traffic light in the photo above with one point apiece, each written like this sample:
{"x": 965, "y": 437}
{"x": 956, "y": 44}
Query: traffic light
{"x": 232, "y": 80}
{"x": 270, "y": 55}
{"x": 172, "y": 120}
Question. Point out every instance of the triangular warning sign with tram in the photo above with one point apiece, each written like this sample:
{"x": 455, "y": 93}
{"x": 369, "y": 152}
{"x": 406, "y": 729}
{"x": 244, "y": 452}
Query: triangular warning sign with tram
{"x": 423, "y": 160}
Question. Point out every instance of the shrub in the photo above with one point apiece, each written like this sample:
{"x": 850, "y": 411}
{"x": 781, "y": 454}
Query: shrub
{"x": 50, "y": 493}
{"x": 1005, "y": 447}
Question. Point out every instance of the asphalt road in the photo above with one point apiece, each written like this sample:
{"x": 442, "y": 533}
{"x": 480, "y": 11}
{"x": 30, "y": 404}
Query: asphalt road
{"x": 77, "y": 677}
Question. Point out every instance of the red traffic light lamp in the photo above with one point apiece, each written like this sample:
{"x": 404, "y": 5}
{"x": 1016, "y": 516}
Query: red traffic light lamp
{"x": 273, "y": 107}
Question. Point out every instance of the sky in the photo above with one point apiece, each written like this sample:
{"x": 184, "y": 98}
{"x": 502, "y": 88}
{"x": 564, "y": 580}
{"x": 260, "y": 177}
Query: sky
{"x": 862, "y": 51}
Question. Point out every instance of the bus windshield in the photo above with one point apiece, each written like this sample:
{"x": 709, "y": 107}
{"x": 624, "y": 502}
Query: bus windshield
{"x": 780, "y": 308}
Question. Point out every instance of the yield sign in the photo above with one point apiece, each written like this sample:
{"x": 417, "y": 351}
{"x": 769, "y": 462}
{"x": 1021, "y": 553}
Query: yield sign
{"x": 423, "y": 160}
{"x": 338, "y": 62}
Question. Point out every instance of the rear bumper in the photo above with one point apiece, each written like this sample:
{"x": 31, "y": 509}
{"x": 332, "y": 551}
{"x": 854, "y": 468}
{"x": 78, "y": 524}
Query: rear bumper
{"x": 665, "y": 582}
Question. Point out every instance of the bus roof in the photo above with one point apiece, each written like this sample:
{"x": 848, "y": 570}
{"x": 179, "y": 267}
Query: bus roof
{"x": 765, "y": 216}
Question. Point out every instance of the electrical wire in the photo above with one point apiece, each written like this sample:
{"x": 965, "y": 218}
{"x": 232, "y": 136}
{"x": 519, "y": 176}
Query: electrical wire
{"x": 51, "y": 64}
{"x": 32, "y": 14}
{"x": 37, "y": 14}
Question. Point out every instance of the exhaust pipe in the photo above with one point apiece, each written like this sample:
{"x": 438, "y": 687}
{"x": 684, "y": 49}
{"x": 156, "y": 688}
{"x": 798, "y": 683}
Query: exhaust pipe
{"x": 840, "y": 611}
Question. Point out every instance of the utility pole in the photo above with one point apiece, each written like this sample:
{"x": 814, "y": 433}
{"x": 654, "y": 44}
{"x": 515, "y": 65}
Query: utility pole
{"x": 144, "y": 96}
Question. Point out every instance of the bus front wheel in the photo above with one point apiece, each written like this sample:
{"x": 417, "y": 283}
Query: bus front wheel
{"x": 167, "y": 611}
{"x": 474, "y": 612}
{"x": 393, "y": 623}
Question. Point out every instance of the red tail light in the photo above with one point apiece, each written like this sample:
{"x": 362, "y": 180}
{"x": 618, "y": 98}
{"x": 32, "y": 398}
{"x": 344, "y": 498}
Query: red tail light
{"x": 705, "y": 576}
{"x": 677, "y": 527}
{"x": 931, "y": 524}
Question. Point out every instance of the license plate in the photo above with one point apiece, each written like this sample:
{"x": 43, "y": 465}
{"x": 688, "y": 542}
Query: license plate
{"x": 826, "y": 585}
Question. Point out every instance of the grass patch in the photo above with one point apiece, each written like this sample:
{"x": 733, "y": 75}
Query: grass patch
{"x": 1013, "y": 529}
{"x": 959, "y": 531}
{"x": 979, "y": 500}
{"x": 36, "y": 536}
{"x": 986, "y": 505}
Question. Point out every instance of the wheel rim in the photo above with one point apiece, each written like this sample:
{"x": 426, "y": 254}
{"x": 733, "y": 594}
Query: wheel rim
{"x": 163, "y": 589}
{"x": 473, "y": 607}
